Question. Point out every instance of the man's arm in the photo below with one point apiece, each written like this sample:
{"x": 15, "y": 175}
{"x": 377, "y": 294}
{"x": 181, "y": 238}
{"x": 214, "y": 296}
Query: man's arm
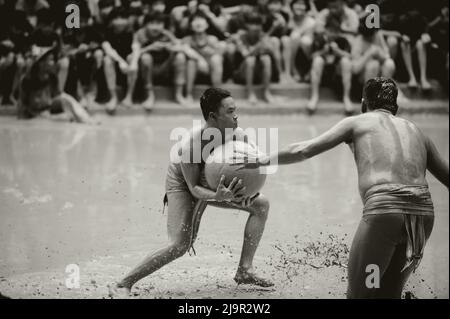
{"x": 436, "y": 164}
{"x": 297, "y": 152}
{"x": 191, "y": 174}
{"x": 112, "y": 53}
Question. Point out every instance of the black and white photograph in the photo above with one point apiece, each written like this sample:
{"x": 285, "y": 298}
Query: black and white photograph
{"x": 244, "y": 151}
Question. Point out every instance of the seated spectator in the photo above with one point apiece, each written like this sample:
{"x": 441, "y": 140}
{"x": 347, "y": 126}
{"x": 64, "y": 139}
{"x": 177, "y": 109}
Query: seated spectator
{"x": 370, "y": 55}
{"x": 40, "y": 97}
{"x": 275, "y": 24}
{"x": 253, "y": 58}
{"x": 205, "y": 56}
{"x": 301, "y": 34}
{"x": 335, "y": 30}
{"x": 77, "y": 67}
{"x": 160, "y": 58}
{"x": 117, "y": 47}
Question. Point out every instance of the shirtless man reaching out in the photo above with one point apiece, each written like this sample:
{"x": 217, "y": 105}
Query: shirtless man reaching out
{"x": 392, "y": 156}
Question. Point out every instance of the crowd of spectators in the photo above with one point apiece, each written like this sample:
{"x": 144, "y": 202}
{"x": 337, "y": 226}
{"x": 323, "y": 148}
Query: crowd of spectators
{"x": 123, "y": 48}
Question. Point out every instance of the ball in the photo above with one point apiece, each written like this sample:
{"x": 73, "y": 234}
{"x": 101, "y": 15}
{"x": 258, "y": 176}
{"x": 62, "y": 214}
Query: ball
{"x": 219, "y": 163}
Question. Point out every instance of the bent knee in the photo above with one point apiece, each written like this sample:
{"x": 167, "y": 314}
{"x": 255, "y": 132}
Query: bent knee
{"x": 392, "y": 41}
{"x": 216, "y": 60}
{"x": 261, "y": 206}
{"x": 265, "y": 60}
{"x": 64, "y": 63}
{"x": 346, "y": 63}
{"x": 180, "y": 58}
{"x": 389, "y": 64}
{"x": 250, "y": 61}
{"x": 147, "y": 59}
{"x": 373, "y": 65}
{"x": 98, "y": 55}
{"x": 318, "y": 62}
{"x": 306, "y": 41}
{"x": 178, "y": 249}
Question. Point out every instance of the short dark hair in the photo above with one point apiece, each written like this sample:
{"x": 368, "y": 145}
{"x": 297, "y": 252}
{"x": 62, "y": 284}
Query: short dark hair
{"x": 381, "y": 93}
{"x": 211, "y": 100}
{"x": 154, "y": 17}
{"x": 253, "y": 18}
{"x": 308, "y": 7}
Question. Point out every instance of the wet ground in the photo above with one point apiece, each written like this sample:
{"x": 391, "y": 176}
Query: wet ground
{"x": 92, "y": 196}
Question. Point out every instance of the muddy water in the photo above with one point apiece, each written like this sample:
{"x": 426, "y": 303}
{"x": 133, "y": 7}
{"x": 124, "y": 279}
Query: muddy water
{"x": 92, "y": 196}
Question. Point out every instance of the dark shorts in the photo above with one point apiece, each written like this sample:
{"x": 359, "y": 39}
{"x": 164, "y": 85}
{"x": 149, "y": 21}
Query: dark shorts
{"x": 381, "y": 240}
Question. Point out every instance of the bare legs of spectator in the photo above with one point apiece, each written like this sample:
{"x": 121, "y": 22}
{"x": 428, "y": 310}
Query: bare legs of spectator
{"x": 346, "y": 73}
{"x": 407, "y": 58}
{"x": 10, "y": 67}
{"x": 216, "y": 65}
{"x": 250, "y": 64}
{"x": 286, "y": 50}
{"x": 266, "y": 63}
{"x": 277, "y": 57}
{"x": 303, "y": 43}
{"x": 392, "y": 43}
{"x": 214, "y": 68}
{"x": 146, "y": 66}
{"x": 63, "y": 72}
{"x": 191, "y": 75}
{"x": 132, "y": 75}
{"x": 110, "y": 74}
{"x": 179, "y": 67}
{"x": 422, "y": 55}
{"x": 318, "y": 64}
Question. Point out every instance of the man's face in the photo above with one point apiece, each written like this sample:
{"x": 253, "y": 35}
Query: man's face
{"x": 275, "y": 6}
{"x": 199, "y": 25}
{"x": 159, "y": 6}
{"x": 105, "y": 11}
{"x": 155, "y": 27}
{"x": 120, "y": 24}
{"x": 299, "y": 8}
{"x": 336, "y": 8}
{"x": 225, "y": 117}
{"x": 254, "y": 29}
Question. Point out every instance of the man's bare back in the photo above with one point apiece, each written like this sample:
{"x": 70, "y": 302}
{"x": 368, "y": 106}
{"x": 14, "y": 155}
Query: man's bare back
{"x": 388, "y": 150}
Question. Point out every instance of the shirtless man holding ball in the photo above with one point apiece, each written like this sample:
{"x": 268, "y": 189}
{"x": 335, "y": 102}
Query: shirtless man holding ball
{"x": 187, "y": 197}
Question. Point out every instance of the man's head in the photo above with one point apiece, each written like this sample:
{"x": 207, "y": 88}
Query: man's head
{"x": 299, "y": 7}
{"x": 158, "y": 6}
{"x": 275, "y": 6}
{"x": 253, "y": 23}
{"x": 218, "y": 108}
{"x": 336, "y": 7}
{"x": 154, "y": 23}
{"x": 105, "y": 8}
{"x": 198, "y": 23}
{"x": 119, "y": 20}
{"x": 380, "y": 93}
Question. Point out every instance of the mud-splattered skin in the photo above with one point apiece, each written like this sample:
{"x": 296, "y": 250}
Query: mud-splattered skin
{"x": 388, "y": 149}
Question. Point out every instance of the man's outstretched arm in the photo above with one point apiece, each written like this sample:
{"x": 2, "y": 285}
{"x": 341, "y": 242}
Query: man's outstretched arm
{"x": 436, "y": 164}
{"x": 297, "y": 152}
